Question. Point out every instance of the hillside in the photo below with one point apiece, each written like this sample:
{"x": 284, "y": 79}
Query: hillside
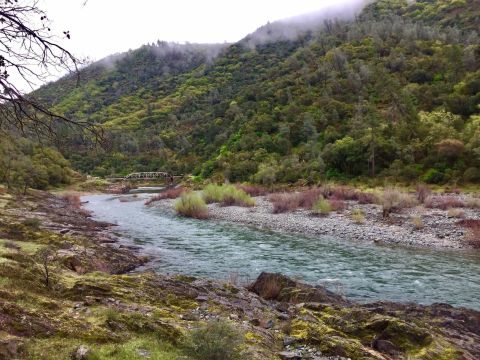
{"x": 391, "y": 94}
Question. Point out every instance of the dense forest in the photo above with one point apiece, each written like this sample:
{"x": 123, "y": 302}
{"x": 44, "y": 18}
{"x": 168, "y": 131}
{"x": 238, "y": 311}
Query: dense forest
{"x": 392, "y": 94}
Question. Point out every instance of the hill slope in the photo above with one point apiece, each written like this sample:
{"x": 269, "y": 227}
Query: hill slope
{"x": 394, "y": 93}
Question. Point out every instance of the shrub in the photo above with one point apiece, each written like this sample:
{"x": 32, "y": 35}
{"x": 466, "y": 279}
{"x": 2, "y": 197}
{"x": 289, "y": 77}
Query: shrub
{"x": 322, "y": 207}
{"x": 417, "y": 223}
{"x": 284, "y": 202}
{"x": 308, "y": 198}
{"x": 444, "y": 202}
{"x": 456, "y": 213}
{"x": 358, "y": 216}
{"x": 423, "y": 192}
{"x": 344, "y": 193}
{"x": 218, "y": 339}
{"x": 191, "y": 205}
{"x": 433, "y": 176}
{"x": 367, "y": 198}
{"x": 338, "y": 205}
{"x": 167, "y": 194}
{"x": 393, "y": 200}
{"x": 253, "y": 190}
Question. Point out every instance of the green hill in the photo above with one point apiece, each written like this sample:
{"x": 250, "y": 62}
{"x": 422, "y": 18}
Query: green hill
{"x": 393, "y": 93}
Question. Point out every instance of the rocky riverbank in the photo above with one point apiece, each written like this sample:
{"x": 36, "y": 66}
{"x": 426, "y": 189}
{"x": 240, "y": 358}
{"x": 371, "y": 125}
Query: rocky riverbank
{"x": 436, "y": 229}
{"x": 91, "y": 309}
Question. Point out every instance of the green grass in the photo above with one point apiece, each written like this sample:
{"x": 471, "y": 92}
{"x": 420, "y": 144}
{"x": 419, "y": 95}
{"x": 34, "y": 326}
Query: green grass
{"x": 192, "y": 205}
{"x": 322, "y": 207}
{"x": 61, "y": 349}
{"x": 227, "y": 195}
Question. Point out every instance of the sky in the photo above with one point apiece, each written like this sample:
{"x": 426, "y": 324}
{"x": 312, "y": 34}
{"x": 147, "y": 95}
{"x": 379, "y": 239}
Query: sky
{"x": 104, "y": 27}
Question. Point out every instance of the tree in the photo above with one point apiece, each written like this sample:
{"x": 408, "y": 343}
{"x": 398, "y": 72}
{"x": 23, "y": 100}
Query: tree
{"x": 29, "y": 52}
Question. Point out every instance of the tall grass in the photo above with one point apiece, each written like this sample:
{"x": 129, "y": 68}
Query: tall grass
{"x": 73, "y": 200}
{"x": 253, "y": 190}
{"x": 444, "y": 202}
{"x": 191, "y": 205}
{"x": 227, "y": 195}
{"x": 393, "y": 200}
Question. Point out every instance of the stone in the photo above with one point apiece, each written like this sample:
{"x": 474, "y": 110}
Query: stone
{"x": 144, "y": 353}
{"x": 289, "y": 355}
{"x": 289, "y": 340}
{"x": 81, "y": 353}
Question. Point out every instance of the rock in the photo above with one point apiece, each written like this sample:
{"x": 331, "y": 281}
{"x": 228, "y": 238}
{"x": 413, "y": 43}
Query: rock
{"x": 268, "y": 324}
{"x": 64, "y": 231}
{"x": 385, "y": 346}
{"x": 284, "y": 317}
{"x": 289, "y": 340}
{"x": 201, "y": 298}
{"x": 289, "y": 355}
{"x": 81, "y": 353}
{"x": 144, "y": 353}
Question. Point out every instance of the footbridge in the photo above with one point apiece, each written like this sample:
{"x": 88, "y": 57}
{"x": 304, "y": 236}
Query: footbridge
{"x": 148, "y": 175}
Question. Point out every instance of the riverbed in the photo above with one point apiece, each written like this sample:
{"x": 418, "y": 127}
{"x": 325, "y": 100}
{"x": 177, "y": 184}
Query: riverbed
{"x": 363, "y": 271}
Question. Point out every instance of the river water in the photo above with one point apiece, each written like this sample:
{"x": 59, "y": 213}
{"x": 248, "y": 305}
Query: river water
{"x": 362, "y": 271}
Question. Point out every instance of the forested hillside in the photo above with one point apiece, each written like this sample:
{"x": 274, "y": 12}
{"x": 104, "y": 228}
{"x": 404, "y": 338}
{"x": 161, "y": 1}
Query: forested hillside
{"x": 393, "y": 93}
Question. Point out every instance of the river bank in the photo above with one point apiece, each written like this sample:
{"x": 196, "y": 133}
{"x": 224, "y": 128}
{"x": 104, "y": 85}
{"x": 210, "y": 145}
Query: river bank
{"x": 91, "y": 307}
{"x": 437, "y": 228}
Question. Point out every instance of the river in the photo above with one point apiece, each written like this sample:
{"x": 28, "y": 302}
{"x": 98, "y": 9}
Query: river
{"x": 362, "y": 271}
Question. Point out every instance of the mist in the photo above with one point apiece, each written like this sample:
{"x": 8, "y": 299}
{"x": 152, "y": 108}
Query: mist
{"x": 291, "y": 28}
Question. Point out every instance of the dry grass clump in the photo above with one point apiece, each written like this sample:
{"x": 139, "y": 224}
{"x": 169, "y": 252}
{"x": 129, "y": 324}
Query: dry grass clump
{"x": 473, "y": 235}
{"x": 358, "y": 216}
{"x": 322, "y": 207}
{"x": 253, "y": 190}
{"x": 423, "y": 192}
{"x": 393, "y": 201}
{"x": 473, "y": 203}
{"x": 167, "y": 194}
{"x": 73, "y": 200}
{"x": 191, "y": 205}
{"x": 417, "y": 223}
{"x": 456, "y": 213}
{"x": 444, "y": 202}
{"x": 284, "y": 202}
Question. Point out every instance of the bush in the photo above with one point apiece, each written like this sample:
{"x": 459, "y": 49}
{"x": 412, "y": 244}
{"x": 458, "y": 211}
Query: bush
{"x": 358, "y": 216}
{"x": 216, "y": 340}
{"x": 444, "y": 203}
{"x": 367, "y": 198}
{"x": 343, "y": 193}
{"x": 433, "y": 176}
{"x": 191, "y": 205}
{"x": 227, "y": 195}
{"x": 253, "y": 190}
{"x": 338, "y": 205}
{"x": 33, "y": 223}
{"x": 284, "y": 202}
{"x": 322, "y": 207}
{"x": 308, "y": 198}
{"x": 393, "y": 200}
{"x": 417, "y": 223}
{"x": 167, "y": 194}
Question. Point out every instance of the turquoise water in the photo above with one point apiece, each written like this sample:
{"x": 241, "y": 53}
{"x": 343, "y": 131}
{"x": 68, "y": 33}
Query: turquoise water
{"x": 362, "y": 271}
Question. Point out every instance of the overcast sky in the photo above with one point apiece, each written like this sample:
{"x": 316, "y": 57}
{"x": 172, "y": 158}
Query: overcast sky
{"x": 104, "y": 27}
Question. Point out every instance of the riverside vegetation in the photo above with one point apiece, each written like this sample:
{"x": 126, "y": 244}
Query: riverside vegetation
{"x": 91, "y": 309}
